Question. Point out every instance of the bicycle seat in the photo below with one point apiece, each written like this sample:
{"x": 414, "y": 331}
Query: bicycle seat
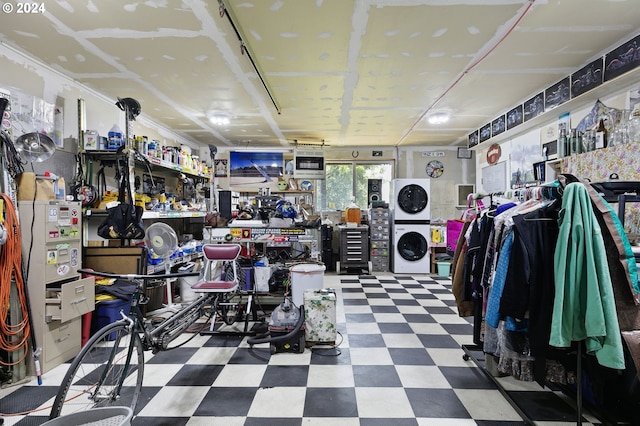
{"x": 227, "y": 282}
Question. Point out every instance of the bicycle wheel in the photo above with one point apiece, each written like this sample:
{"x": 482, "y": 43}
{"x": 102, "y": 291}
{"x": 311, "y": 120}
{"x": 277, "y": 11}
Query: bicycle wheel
{"x": 107, "y": 371}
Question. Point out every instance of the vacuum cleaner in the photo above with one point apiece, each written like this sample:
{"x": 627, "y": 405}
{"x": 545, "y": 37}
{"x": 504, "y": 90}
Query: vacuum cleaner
{"x": 285, "y": 331}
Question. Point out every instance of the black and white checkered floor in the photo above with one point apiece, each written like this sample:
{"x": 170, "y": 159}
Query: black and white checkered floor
{"x": 400, "y": 362}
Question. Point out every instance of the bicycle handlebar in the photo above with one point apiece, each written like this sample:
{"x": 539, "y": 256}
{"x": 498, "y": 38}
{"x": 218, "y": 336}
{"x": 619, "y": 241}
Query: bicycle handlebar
{"x": 138, "y": 276}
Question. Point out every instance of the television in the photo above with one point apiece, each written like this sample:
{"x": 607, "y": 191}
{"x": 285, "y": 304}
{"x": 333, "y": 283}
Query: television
{"x": 255, "y": 169}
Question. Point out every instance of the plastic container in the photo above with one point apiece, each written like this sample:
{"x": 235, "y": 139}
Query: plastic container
{"x": 444, "y": 269}
{"x": 103, "y": 416}
{"x": 107, "y": 312}
{"x": 320, "y": 315}
{"x": 186, "y": 292}
{"x": 305, "y": 276}
{"x": 261, "y": 276}
{"x": 115, "y": 138}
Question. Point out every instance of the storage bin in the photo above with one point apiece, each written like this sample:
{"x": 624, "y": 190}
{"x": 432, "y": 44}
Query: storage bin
{"x": 320, "y": 315}
{"x": 444, "y": 269}
{"x": 261, "y": 275}
{"x": 107, "y": 312}
{"x": 156, "y": 293}
{"x": 305, "y": 276}
{"x": 186, "y": 292}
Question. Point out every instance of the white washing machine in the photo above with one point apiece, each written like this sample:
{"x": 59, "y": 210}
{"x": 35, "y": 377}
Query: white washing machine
{"x": 411, "y": 248}
{"x": 411, "y": 199}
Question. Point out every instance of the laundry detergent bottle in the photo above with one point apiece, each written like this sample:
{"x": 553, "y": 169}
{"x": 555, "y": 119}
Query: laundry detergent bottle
{"x": 115, "y": 138}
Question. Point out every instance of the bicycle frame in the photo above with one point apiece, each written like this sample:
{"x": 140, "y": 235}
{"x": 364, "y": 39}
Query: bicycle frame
{"x": 119, "y": 365}
{"x": 158, "y": 337}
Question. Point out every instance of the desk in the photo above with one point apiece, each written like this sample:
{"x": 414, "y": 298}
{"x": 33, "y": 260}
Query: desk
{"x": 267, "y": 237}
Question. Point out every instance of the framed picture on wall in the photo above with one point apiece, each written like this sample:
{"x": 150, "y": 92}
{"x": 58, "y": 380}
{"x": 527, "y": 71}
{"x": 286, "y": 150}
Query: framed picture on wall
{"x": 557, "y": 94}
{"x": 586, "y": 78}
{"x": 464, "y": 153}
{"x": 534, "y": 106}
{"x": 498, "y": 126}
{"x": 473, "y": 139}
{"x": 622, "y": 59}
{"x": 255, "y": 169}
{"x": 514, "y": 117}
{"x": 485, "y": 132}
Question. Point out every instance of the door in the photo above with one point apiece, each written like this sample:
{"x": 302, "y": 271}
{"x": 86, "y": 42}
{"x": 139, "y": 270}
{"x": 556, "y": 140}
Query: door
{"x": 412, "y": 246}
{"x": 412, "y": 199}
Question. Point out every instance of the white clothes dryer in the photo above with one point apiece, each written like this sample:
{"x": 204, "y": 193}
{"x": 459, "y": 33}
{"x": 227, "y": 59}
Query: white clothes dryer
{"x": 411, "y": 248}
{"x": 411, "y": 200}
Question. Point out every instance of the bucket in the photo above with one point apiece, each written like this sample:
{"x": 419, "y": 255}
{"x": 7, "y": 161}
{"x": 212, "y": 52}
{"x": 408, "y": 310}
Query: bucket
{"x": 305, "y": 276}
{"x": 186, "y": 292}
{"x": 444, "y": 269}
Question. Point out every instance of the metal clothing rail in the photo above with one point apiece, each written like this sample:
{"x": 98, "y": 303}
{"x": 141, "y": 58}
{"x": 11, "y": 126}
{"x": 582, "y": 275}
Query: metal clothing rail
{"x": 523, "y": 194}
{"x": 468, "y": 355}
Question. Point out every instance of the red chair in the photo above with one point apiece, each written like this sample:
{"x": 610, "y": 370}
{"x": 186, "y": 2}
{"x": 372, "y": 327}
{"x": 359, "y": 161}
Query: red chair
{"x": 225, "y": 256}
{"x": 220, "y": 276}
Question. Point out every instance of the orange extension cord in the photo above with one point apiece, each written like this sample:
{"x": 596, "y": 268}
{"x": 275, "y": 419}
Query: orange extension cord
{"x": 13, "y": 337}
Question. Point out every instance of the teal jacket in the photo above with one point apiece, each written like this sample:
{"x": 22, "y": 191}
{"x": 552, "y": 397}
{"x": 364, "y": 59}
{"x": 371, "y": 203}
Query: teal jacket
{"x": 584, "y": 306}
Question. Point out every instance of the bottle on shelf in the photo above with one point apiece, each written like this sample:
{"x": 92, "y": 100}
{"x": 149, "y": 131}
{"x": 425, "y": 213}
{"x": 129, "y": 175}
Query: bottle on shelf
{"x": 575, "y": 143}
{"x": 562, "y": 143}
{"x": 115, "y": 138}
{"x": 601, "y": 135}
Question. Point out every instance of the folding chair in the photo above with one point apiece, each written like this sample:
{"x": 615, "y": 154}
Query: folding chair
{"x": 220, "y": 276}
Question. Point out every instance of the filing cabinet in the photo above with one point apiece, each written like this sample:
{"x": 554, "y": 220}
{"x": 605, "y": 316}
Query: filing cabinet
{"x": 380, "y": 238}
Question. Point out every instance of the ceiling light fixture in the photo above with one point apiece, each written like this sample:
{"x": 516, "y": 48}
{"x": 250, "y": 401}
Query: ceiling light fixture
{"x": 439, "y": 118}
{"x": 220, "y": 119}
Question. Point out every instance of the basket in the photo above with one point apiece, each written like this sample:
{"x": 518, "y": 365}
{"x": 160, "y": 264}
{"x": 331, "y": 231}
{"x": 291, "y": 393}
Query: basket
{"x": 105, "y": 416}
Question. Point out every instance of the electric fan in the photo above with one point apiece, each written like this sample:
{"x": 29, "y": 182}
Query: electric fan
{"x": 162, "y": 241}
{"x": 35, "y": 147}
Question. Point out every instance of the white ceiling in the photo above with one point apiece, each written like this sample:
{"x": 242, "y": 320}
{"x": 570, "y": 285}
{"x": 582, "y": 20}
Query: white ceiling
{"x": 347, "y": 72}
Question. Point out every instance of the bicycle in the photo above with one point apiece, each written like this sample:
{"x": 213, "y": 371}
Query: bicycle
{"x": 109, "y": 369}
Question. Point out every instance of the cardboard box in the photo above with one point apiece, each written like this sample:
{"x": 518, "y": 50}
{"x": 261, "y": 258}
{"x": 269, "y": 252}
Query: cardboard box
{"x": 31, "y": 188}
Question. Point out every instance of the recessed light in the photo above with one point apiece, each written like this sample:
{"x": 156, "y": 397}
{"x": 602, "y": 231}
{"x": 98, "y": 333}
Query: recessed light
{"x": 438, "y": 118}
{"x": 219, "y": 119}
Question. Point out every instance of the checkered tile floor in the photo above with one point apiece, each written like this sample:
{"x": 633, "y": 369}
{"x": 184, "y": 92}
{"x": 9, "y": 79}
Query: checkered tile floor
{"x": 399, "y": 362}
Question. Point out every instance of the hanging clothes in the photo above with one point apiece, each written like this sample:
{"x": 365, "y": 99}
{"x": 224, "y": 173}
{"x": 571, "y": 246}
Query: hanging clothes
{"x": 622, "y": 268}
{"x": 584, "y": 306}
{"x": 529, "y": 290}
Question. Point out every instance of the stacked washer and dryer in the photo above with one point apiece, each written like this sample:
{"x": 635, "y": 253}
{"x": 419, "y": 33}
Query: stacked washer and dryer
{"x": 411, "y": 213}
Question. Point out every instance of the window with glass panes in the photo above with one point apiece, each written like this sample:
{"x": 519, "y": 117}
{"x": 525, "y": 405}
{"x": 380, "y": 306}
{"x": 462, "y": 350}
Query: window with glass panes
{"x": 348, "y": 179}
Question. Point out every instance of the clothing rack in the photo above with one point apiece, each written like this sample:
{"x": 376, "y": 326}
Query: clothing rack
{"x": 549, "y": 192}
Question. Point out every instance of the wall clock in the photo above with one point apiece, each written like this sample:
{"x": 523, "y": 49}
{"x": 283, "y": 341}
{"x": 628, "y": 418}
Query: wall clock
{"x": 435, "y": 169}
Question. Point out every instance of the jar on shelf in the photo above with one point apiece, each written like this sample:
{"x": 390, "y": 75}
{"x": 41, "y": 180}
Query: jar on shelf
{"x": 620, "y": 133}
